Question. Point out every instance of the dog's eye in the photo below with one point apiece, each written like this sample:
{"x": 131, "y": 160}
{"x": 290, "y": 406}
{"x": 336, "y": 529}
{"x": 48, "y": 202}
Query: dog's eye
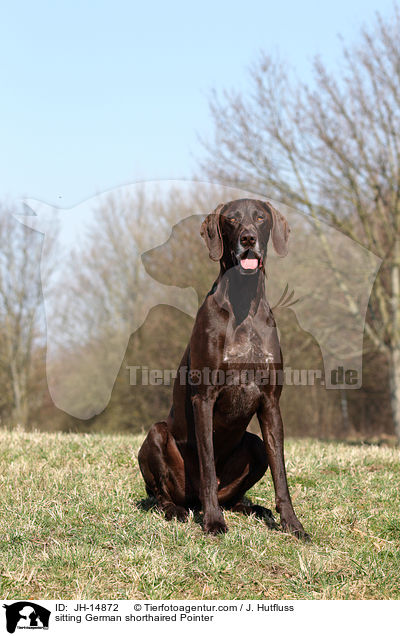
{"x": 232, "y": 219}
{"x": 260, "y": 217}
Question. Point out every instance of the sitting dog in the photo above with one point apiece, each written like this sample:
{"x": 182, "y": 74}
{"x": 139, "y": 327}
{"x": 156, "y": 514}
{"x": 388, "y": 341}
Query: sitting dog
{"x": 202, "y": 453}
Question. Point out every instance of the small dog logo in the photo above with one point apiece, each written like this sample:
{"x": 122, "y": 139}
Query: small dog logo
{"x": 26, "y": 615}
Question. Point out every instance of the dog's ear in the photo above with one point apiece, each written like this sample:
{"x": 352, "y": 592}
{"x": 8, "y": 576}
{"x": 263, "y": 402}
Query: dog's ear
{"x": 211, "y": 233}
{"x": 280, "y": 230}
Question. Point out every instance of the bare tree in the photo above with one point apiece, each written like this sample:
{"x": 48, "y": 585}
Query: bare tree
{"x": 331, "y": 150}
{"x": 21, "y": 315}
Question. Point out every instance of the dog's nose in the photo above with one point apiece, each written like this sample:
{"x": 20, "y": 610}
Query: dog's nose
{"x": 248, "y": 238}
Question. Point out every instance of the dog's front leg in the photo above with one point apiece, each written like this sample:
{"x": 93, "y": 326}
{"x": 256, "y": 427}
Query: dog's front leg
{"x": 213, "y": 521}
{"x": 271, "y": 425}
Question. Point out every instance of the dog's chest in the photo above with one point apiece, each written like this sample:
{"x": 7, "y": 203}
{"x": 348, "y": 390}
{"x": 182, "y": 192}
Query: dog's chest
{"x": 251, "y": 343}
{"x": 237, "y": 402}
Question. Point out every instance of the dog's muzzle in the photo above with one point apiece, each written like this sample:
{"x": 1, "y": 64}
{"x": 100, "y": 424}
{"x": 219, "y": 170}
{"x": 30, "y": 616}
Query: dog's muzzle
{"x": 249, "y": 261}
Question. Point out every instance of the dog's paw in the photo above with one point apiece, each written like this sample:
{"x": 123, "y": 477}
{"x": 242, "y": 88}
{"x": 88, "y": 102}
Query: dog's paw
{"x": 266, "y": 515}
{"x": 294, "y": 527}
{"x": 214, "y": 524}
{"x": 171, "y": 511}
{"x": 303, "y": 535}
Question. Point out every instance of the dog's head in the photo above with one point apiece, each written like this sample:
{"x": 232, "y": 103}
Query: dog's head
{"x": 237, "y": 234}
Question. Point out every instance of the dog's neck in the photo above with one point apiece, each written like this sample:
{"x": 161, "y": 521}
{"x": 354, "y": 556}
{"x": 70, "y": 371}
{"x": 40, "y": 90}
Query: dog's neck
{"x": 242, "y": 292}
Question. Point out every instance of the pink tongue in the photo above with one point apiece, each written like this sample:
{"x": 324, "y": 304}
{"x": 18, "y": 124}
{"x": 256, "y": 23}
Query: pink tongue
{"x": 249, "y": 263}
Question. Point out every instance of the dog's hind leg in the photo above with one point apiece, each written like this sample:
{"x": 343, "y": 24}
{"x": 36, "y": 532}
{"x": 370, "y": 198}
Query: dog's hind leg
{"x": 163, "y": 471}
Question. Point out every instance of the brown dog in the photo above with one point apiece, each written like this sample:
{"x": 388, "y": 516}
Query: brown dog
{"x": 202, "y": 452}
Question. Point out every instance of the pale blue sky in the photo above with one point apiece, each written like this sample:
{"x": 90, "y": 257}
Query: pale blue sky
{"x": 98, "y": 94}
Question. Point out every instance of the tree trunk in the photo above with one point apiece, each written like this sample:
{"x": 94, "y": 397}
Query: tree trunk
{"x": 19, "y": 387}
{"x": 346, "y": 424}
{"x": 394, "y": 383}
{"x": 394, "y": 361}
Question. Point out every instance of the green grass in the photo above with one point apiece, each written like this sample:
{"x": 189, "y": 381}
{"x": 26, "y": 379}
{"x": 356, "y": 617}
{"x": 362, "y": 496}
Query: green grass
{"x": 72, "y": 527}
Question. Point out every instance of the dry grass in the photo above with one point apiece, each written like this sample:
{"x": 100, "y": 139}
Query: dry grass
{"x": 73, "y": 526}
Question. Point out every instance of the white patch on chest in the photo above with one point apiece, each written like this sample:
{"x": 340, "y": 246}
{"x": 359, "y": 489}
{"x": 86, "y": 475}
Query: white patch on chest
{"x": 245, "y": 344}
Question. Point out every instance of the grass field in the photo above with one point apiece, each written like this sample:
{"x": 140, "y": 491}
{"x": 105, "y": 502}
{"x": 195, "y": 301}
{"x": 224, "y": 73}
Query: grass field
{"x": 73, "y": 526}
